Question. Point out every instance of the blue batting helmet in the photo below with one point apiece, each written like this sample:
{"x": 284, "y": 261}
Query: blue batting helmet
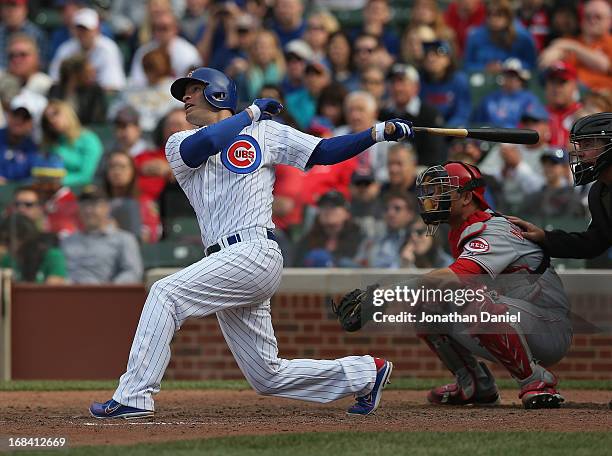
{"x": 220, "y": 91}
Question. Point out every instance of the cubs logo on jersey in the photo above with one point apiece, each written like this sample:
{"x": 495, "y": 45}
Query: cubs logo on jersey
{"x": 243, "y": 156}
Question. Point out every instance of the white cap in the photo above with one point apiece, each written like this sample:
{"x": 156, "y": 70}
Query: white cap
{"x": 514, "y": 65}
{"x": 300, "y": 48}
{"x": 87, "y": 17}
{"x": 32, "y": 102}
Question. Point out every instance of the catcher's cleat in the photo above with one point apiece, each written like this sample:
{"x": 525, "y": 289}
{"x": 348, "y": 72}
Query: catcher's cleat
{"x": 453, "y": 394}
{"x": 366, "y": 404}
{"x": 113, "y": 409}
{"x": 541, "y": 394}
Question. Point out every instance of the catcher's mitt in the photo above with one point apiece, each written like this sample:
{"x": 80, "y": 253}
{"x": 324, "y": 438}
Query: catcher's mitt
{"x": 355, "y": 308}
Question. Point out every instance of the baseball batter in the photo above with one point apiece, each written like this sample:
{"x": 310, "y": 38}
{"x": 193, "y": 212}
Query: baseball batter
{"x": 226, "y": 170}
{"x": 524, "y": 296}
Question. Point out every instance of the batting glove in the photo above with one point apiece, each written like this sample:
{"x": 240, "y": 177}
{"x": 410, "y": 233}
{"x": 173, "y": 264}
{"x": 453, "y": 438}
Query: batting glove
{"x": 265, "y": 109}
{"x": 403, "y": 130}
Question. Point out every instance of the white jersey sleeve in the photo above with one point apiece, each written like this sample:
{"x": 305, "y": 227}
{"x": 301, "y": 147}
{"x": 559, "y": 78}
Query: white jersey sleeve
{"x": 289, "y": 146}
{"x": 173, "y": 154}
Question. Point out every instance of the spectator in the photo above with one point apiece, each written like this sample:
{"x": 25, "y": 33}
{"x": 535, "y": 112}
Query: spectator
{"x": 24, "y": 65}
{"x": 130, "y": 211}
{"x": 557, "y": 198}
{"x": 334, "y": 237}
{"x": 288, "y": 206}
{"x": 102, "y": 52}
{"x": 330, "y": 108}
{"x": 153, "y": 100}
{"x": 233, "y": 56}
{"x": 443, "y": 86}
{"x": 373, "y": 82}
{"x": 128, "y": 134}
{"x": 516, "y": 177}
{"x": 319, "y": 27}
{"x": 366, "y": 207}
{"x": 406, "y": 104}
{"x": 368, "y": 52}
{"x": 297, "y": 55}
{"x": 194, "y": 20}
{"x": 59, "y": 202}
{"x": 33, "y": 257}
{"x": 130, "y": 20}
{"x": 377, "y": 22}
{"x": 411, "y": 50}
{"x": 266, "y": 66}
{"x": 591, "y": 52}
{"x": 505, "y": 107}
{"x": 62, "y": 33}
{"x": 183, "y": 55}
{"x": 339, "y": 57}
{"x": 594, "y": 102}
{"x": 80, "y": 149}
{"x": 428, "y": 13}
{"x": 423, "y": 251}
{"x": 564, "y": 21}
{"x": 534, "y": 16}
{"x": 463, "y": 15}
{"x": 101, "y": 253}
{"x": 273, "y": 91}
{"x": 302, "y": 104}
{"x": 561, "y": 101}
{"x": 15, "y": 20}
{"x": 384, "y": 250}
{"x": 18, "y": 149}
{"x": 361, "y": 112}
{"x": 26, "y": 202}
{"x": 402, "y": 170}
{"x": 288, "y": 22}
{"x": 152, "y": 168}
{"x": 499, "y": 39}
{"x": 77, "y": 86}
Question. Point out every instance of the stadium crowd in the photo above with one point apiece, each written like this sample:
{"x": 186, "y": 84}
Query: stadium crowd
{"x": 88, "y": 196}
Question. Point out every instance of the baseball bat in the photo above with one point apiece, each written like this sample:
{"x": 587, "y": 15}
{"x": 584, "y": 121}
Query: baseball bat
{"x": 506, "y": 135}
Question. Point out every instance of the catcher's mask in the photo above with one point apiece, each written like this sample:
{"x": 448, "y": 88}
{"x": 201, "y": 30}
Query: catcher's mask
{"x": 591, "y": 137}
{"x": 439, "y": 185}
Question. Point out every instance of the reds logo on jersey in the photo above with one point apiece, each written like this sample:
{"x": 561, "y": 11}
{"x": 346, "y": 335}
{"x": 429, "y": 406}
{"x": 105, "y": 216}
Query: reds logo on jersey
{"x": 243, "y": 155}
{"x": 477, "y": 245}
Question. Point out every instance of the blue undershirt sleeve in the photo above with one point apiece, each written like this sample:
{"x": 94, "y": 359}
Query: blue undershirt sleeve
{"x": 335, "y": 150}
{"x": 195, "y": 149}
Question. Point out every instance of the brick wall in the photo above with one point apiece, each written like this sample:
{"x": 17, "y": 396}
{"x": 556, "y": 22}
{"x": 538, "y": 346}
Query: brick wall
{"x": 305, "y": 328}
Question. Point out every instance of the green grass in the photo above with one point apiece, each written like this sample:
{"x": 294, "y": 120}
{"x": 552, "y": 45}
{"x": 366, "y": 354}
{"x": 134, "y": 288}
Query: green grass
{"x": 396, "y": 383}
{"x": 375, "y": 444}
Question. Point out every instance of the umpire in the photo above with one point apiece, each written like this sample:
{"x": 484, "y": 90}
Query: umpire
{"x": 591, "y": 161}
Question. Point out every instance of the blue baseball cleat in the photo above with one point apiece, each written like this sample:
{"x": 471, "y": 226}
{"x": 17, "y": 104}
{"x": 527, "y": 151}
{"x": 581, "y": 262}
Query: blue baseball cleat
{"x": 368, "y": 403}
{"x": 113, "y": 409}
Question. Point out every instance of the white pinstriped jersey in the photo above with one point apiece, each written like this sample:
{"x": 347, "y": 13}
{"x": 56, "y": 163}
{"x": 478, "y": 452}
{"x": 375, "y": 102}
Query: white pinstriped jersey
{"x": 232, "y": 191}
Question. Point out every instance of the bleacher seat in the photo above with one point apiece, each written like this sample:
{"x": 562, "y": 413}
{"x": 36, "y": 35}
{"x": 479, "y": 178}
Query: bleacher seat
{"x": 184, "y": 228}
{"x": 170, "y": 254}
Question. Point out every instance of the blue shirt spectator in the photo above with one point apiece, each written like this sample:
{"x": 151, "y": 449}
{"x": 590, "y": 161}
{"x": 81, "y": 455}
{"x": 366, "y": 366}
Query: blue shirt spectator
{"x": 15, "y": 20}
{"x": 505, "y": 107}
{"x": 17, "y": 148}
{"x": 444, "y": 87}
{"x": 288, "y": 22}
{"x": 486, "y": 47}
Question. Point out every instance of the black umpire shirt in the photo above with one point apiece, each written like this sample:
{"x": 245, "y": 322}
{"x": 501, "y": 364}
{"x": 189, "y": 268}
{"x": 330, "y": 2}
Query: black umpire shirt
{"x": 598, "y": 236}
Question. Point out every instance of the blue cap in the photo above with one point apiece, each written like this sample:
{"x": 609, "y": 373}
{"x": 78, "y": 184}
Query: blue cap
{"x": 439, "y": 46}
{"x": 557, "y": 156}
{"x": 48, "y": 166}
{"x": 318, "y": 258}
{"x": 535, "y": 111}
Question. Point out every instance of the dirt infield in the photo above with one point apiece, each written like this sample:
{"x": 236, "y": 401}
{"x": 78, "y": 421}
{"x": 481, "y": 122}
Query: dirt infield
{"x": 200, "y": 414}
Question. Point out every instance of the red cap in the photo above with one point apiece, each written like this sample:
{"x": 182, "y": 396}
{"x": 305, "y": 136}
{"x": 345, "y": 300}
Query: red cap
{"x": 469, "y": 174}
{"x": 562, "y": 70}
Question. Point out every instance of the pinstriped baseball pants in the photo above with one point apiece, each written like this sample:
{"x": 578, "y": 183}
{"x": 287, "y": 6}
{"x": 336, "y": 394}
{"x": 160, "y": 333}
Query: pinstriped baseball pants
{"x": 236, "y": 284}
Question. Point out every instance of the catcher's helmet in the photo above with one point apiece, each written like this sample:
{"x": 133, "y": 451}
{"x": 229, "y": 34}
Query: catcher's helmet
{"x": 591, "y": 137}
{"x": 219, "y": 90}
{"x": 435, "y": 187}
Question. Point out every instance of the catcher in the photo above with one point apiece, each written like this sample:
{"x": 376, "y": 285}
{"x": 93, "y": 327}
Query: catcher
{"x": 520, "y": 282}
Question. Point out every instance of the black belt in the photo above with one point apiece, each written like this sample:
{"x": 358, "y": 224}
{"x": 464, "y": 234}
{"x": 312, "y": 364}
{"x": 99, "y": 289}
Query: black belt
{"x": 233, "y": 239}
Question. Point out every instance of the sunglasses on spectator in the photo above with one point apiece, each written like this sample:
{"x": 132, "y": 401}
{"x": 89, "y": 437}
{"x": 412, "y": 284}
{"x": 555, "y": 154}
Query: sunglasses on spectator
{"x": 364, "y": 50}
{"x": 243, "y": 31}
{"x": 14, "y": 55}
{"x": 291, "y": 57}
{"x": 395, "y": 208}
{"x": 28, "y": 204}
{"x": 420, "y": 231}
